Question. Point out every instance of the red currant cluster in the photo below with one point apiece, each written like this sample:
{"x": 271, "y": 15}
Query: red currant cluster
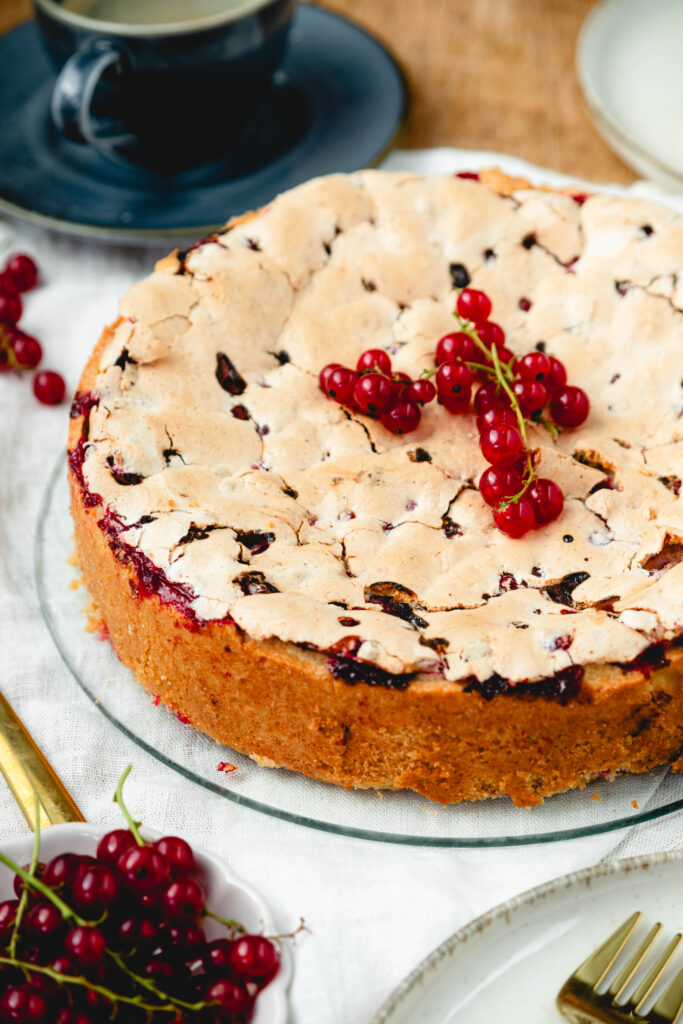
{"x": 119, "y": 937}
{"x": 19, "y": 350}
{"x": 374, "y": 389}
{"x": 511, "y": 392}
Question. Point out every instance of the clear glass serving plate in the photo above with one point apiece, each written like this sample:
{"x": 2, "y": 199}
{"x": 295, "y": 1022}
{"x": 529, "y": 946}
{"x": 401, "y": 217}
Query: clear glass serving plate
{"x": 390, "y": 817}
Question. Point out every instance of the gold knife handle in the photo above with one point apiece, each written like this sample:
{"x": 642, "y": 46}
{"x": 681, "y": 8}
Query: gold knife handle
{"x": 27, "y": 772}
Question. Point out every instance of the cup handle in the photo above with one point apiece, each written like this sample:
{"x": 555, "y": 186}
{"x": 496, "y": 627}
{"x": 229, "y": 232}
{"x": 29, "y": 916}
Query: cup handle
{"x": 74, "y": 90}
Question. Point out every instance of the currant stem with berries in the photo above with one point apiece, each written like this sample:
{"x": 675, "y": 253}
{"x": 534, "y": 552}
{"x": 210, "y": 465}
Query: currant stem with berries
{"x": 122, "y": 929}
{"x": 514, "y": 392}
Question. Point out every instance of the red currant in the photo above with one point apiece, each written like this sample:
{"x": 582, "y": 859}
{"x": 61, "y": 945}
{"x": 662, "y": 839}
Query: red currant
{"x": 27, "y": 350}
{"x": 159, "y": 971}
{"x": 19, "y": 883}
{"x": 401, "y": 417}
{"x": 94, "y": 890}
{"x": 71, "y": 1016}
{"x": 113, "y": 844}
{"x": 8, "y": 912}
{"x": 399, "y": 382}
{"x": 374, "y": 359}
{"x": 473, "y": 305}
{"x": 22, "y": 271}
{"x": 182, "y": 900}
{"x": 491, "y": 334}
{"x": 231, "y": 999}
{"x": 178, "y": 853}
{"x": 547, "y": 500}
{"x": 421, "y": 391}
{"x": 61, "y": 870}
{"x": 533, "y": 366}
{"x": 324, "y": 376}
{"x": 340, "y": 385}
{"x": 254, "y": 956}
{"x": 557, "y": 376}
{"x": 43, "y": 923}
{"x": 372, "y": 393}
{"x": 488, "y": 395}
{"x": 457, "y": 346}
{"x": 515, "y": 519}
{"x": 182, "y": 941}
{"x": 499, "y": 482}
{"x": 143, "y": 869}
{"x": 49, "y": 387}
{"x": 23, "y": 1004}
{"x": 501, "y": 446}
{"x": 10, "y": 308}
{"x": 85, "y": 946}
{"x": 531, "y": 395}
{"x": 135, "y": 933}
{"x": 216, "y": 958}
{"x": 454, "y": 380}
{"x": 7, "y": 285}
{"x": 569, "y": 406}
{"x": 496, "y": 416}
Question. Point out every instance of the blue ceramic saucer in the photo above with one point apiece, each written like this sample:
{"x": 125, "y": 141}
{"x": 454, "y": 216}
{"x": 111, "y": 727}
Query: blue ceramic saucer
{"x": 338, "y": 105}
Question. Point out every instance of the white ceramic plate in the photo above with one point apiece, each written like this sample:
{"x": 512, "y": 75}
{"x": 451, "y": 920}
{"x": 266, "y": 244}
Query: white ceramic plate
{"x": 630, "y": 68}
{"x": 227, "y": 894}
{"x": 510, "y": 964}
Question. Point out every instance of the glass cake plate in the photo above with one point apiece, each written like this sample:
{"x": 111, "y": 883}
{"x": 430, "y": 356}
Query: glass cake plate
{"x": 390, "y": 817}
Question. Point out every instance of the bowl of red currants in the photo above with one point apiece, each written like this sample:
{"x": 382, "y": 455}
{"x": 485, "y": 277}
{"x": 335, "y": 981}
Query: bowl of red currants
{"x": 123, "y": 924}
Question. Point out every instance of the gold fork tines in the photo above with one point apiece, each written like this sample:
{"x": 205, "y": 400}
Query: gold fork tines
{"x": 580, "y": 1001}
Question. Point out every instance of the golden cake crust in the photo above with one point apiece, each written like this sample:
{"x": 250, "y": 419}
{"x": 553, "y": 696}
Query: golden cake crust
{"x": 280, "y": 704}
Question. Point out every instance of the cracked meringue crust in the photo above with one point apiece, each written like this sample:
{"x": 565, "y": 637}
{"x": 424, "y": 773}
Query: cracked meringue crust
{"x": 324, "y": 596}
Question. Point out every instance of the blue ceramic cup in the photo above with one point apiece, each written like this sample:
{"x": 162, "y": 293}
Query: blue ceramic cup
{"x": 165, "y": 84}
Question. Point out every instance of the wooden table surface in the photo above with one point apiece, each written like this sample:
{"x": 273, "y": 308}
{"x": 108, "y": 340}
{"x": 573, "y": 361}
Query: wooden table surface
{"x": 484, "y": 74}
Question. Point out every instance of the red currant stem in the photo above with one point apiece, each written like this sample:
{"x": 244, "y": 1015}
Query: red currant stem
{"x": 549, "y": 426}
{"x": 466, "y": 328}
{"x": 35, "y": 883}
{"x": 233, "y": 925}
{"x": 70, "y": 979}
{"x": 520, "y": 494}
{"x": 134, "y": 826}
{"x": 32, "y": 871}
{"x": 151, "y": 987}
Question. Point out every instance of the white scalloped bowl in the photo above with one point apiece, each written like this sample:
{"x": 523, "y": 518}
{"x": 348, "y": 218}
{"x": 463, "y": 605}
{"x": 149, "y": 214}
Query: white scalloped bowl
{"x": 228, "y": 895}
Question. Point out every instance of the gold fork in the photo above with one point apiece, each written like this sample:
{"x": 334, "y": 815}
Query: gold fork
{"x": 580, "y": 1001}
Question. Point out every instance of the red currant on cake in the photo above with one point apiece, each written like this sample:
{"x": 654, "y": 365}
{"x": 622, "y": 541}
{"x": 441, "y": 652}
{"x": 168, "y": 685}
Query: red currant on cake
{"x": 401, "y": 416}
{"x": 372, "y": 393}
{"x": 457, "y": 346}
{"x": 498, "y": 483}
{"x": 374, "y": 359}
{"x": 569, "y": 406}
{"x": 515, "y": 519}
{"x": 547, "y": 500}
{"x": 502, "y": 446}
{"x": 473, "y": 305}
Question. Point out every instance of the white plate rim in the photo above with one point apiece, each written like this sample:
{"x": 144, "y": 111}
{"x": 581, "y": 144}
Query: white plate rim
{"x": 605, "y": 122}
{"x": 210, "y": 863}
{"x": 528, "y": 898}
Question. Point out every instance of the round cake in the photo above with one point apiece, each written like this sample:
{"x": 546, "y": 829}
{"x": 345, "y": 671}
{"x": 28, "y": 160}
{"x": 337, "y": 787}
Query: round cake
{"x": 326, "y": 596}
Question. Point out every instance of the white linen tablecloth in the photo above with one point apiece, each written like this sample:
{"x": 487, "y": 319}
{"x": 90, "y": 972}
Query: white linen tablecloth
{"x": 373, "y": 910}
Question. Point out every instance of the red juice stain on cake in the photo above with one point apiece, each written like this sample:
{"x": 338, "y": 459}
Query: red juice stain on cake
{"x": 563, "y": 686}
{"x": 648, "y": 661}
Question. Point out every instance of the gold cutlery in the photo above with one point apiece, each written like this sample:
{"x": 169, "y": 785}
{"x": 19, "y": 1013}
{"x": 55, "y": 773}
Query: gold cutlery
{"x": 580, "y": 1001}
{"x": 27, "y": 771}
